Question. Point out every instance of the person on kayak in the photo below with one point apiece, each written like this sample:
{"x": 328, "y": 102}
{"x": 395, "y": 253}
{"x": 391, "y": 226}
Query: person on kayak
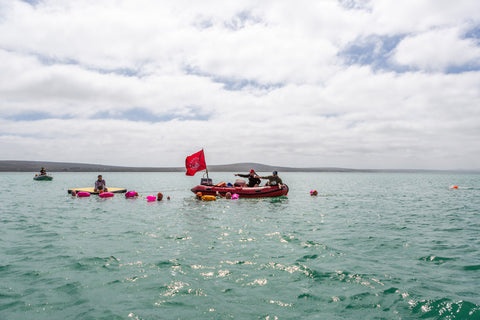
{"x": 100, "y": 185}
{"x": 253, "y": 178}
{"x": 273, "y": 180}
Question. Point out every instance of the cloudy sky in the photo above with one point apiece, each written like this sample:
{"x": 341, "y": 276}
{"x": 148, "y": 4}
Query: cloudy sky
{"x": 335, "y": 83}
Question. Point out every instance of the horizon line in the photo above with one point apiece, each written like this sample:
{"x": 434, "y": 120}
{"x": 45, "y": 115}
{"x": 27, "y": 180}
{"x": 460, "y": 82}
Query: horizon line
{"x": 26, "y": 166}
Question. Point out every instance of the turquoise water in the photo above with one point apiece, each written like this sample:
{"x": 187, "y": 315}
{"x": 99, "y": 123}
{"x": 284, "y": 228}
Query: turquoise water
{"x": 370, "y": 246}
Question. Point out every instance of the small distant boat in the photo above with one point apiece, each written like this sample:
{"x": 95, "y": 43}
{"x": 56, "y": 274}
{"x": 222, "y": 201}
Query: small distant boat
{"x": 44, "y": 177}
{"x": 243, "y": 192}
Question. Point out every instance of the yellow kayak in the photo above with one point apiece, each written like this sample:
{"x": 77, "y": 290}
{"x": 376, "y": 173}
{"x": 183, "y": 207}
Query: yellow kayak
{"x": 90, "y": 190}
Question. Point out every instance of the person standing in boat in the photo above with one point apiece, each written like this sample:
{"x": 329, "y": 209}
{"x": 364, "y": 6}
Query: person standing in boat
{"x": 273, "y": 180}
{"x": 253, "y": 178}
{"x": 43, "y": 172}
{"x": 100, "y": 185}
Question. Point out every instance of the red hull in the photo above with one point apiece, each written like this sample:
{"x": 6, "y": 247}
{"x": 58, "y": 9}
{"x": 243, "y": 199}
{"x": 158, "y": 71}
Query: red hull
{"x": 258, "y": 192}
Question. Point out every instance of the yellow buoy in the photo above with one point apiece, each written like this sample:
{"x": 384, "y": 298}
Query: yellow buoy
{"x": 209, "y": 198}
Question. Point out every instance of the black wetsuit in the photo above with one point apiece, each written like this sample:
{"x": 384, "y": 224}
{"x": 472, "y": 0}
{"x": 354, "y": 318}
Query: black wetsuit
{"x": 252, "y": 181}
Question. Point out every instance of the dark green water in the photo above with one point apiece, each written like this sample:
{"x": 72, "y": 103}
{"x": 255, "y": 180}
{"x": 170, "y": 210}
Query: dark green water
{"x": 370, "y": 246}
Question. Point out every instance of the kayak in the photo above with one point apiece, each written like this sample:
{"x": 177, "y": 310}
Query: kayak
{"x": 90, "y": 190}
{"x": 243, "y": 192}
{"x": 43, "y": 178}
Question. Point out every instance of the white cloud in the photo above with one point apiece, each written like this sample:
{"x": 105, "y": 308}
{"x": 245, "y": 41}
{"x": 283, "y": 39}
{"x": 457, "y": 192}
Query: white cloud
{"x": 294, "y": 101}
{"x": 412, "y": 16}
{"x": 437, "y": 50}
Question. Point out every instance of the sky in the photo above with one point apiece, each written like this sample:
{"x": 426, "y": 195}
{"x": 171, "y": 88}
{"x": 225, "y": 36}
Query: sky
{"x": 378, "y": 84}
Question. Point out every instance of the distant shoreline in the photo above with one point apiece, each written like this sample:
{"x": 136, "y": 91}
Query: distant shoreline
{"x": 34, "y": 166}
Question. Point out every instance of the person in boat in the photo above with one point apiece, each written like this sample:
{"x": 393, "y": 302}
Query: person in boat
{"x": 100, "y": 185}
{"x": 273, "y": 180}
{"x": 43, "y": 172}
{"x": 253, "y": 178}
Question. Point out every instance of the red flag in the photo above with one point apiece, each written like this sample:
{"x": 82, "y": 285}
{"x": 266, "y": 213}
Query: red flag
{"x": 195, "y": 162}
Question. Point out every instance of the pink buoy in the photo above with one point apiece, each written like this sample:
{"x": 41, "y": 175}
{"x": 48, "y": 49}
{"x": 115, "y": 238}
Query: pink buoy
{"x": 151, "y": 198}
{"x": 83, "y": 194}
{"x": 235, "y": 196}
{"x": 105, "y": 195}
{"x": 130, "y": 194}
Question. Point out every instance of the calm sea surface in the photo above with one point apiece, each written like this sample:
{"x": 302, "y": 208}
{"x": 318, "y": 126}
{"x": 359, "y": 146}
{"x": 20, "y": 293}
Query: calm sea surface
{"x": 369, "y": 246}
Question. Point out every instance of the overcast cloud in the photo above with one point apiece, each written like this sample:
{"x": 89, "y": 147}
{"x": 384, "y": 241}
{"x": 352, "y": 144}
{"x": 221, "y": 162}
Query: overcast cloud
{"x": 357, "y": 84}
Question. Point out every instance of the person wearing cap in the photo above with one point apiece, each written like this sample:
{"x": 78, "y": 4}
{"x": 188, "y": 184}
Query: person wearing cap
{"x": 273, "y": 180}
{"x": 253, "y": 178}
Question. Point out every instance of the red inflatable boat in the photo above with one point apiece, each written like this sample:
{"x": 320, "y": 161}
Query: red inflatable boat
{"x": 243, "y": 192}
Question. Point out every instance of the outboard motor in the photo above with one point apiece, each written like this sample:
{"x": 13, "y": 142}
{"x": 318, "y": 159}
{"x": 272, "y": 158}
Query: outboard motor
{"x": 206, "y": 182}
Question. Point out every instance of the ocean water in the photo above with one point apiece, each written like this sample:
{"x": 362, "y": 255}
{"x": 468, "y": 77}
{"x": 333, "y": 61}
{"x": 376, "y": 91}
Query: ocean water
{"x": 369, "y": 246}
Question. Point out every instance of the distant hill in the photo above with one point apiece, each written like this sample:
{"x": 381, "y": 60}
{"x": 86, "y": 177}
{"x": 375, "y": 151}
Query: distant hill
{"x": 245, "y": 167}
{"x": 34, "y": 166}
{"x": 28, "y": 166}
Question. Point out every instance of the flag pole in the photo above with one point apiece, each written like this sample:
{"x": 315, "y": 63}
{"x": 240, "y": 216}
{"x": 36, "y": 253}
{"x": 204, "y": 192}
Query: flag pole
{"x": 206, "y": 169}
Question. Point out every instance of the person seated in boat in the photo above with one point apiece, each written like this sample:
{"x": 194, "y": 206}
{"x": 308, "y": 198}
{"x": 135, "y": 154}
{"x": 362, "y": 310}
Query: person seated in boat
{"x": 253, "y": 178}
{"x": 43, "y": 172}
{"x": 273, "y": 180}
{"x": 100, "y": 185}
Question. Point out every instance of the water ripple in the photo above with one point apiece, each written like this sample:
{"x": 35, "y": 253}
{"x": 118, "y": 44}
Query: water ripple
{"x": 445, "y": 309}
{"x": 94, "y": 263}
{"x": 437, "y": 259}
